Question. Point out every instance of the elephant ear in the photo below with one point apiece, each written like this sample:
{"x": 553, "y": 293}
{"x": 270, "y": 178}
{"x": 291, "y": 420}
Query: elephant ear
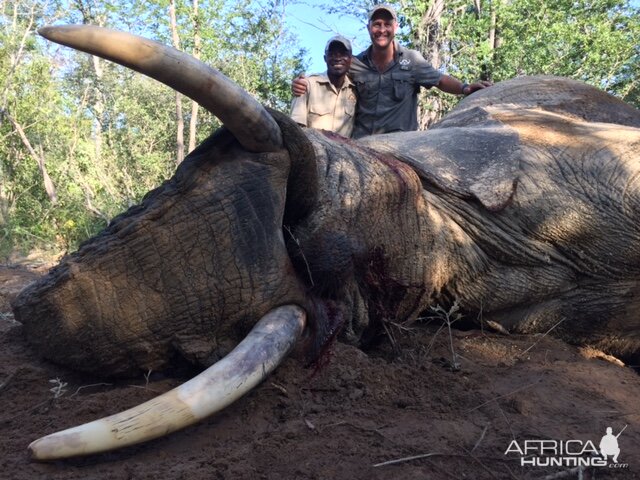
{"x": 479, "y": 160}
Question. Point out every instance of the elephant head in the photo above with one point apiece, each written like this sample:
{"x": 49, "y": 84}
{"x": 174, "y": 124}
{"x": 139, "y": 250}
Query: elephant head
{"x": 187, "y": 272}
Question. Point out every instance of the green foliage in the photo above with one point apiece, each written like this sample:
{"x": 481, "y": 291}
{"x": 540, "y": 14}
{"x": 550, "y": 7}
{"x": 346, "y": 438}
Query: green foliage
{"x": 265, "y": 72}
{"x": 586, "y": 40}
{"x": 595, "y": 41}
{"x": 107, "y": 134}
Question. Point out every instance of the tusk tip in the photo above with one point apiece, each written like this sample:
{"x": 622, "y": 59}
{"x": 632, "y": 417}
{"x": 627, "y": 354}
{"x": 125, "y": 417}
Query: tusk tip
{"x": 46, "y": 31}
{"x": 33, "y": 451}
{"x": 56, "y": 32}
{"x": 50, "y": 447}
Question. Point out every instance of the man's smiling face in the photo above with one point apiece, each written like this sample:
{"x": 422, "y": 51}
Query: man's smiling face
{"x": 382, "y": 29}
{"x": 338, "y": 59}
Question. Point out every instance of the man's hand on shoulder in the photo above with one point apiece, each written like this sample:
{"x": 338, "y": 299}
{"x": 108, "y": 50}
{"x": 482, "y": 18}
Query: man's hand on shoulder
{"x": 299, "y": 85}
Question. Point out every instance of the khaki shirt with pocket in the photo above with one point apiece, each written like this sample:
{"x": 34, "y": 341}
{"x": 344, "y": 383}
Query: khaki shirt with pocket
{"x": 325, "y": 107}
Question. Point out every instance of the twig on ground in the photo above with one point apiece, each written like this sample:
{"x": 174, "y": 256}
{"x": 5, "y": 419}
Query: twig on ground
{"x": 280, "y": 388}
{"x": 506, "y": 419}
{"x": 452, "y": 455}
{"x": 433, "y": 340}
{"x": 400, "y": 326}
{"x": 311, "y": 426}
{"x": 392, "y": 337}
{"x": 484, "y": 432}
{"x": 542, "y": 336}
{"x": 146, "y": 383}
{"x": 406, "y": 459}
{"x": 4, "y": 384}
{"x": 436, "y": 454}
{"x": 619, "y": 414}
{"x": 502, "y": 396}
{"x": 143, "y": 387}
{"x": 88, "y": 386}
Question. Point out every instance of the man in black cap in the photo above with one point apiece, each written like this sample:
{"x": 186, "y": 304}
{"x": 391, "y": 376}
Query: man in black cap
{"x": 330, "y": 101}
{"x": 388, "y": 78}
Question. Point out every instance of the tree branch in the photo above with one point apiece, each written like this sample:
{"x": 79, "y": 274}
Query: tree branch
{"x": 179, "y": 117}
{"x": 38, "y": 157}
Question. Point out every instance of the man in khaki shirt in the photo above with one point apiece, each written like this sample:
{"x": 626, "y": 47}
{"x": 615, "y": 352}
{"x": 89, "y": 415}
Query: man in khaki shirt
{"x": 330, "y": 101}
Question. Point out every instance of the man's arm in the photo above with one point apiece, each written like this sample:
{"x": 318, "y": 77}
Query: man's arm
{"x": 449, "y": 84}
{"x": 427, "y": 76}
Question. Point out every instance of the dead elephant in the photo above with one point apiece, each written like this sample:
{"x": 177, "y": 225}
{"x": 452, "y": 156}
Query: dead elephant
{"x": 522, "y": 206}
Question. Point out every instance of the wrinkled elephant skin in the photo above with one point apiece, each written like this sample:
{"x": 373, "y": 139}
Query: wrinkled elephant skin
{"x": 522, "y": 205}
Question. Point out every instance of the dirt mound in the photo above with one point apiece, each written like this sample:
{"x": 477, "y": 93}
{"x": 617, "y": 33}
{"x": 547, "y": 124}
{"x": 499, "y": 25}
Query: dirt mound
{"x": 459, "y": 414}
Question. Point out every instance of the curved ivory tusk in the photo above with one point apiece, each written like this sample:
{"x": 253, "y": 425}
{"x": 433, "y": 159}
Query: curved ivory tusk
{"x": 217, "y": 387}
{"x": 244, "y": 116}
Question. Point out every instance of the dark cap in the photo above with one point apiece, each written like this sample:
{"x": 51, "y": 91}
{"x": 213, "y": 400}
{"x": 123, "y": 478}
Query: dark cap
{"x": 383, "y": 7}
{"x": 338, "y": 39}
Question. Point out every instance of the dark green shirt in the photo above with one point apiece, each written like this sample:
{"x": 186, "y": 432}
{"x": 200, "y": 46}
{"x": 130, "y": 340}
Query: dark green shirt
{"x": 388, "y": 101}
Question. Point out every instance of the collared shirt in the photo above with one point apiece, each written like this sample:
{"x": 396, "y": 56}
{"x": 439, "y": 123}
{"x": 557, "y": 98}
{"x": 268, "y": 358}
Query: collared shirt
{"x": 325, "y": 107}
{"x": 388, "y": 101}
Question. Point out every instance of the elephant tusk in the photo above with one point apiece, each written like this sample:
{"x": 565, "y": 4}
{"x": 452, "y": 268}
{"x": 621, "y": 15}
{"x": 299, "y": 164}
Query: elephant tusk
{"x": 243, "y": 115}
{"x": 246, "y": 366}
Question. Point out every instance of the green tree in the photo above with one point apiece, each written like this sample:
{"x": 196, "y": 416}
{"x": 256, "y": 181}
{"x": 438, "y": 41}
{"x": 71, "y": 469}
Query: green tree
{"x": 596, "y": 41}
{"x": 28, "y": 100}
{"x": 82, "y": 138}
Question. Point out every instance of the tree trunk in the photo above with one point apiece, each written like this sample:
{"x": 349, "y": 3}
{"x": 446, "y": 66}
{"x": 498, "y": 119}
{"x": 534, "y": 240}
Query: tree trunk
{"x": 494, "y": 38}
{"x": 492, "y": 27}
{"x": 7, "y": 197}
{"x": 38, "y": 157}
{"x": 193, "y": 121}
{"x": 429, "y": 39}
{"x": 179, "y": 117}
{"x": 98, "y": 106}
{"x": 4, "y": 204}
